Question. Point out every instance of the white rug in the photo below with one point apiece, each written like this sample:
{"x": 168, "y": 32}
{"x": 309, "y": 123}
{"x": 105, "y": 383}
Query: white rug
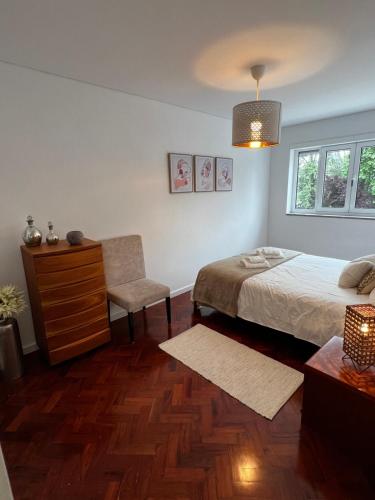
{"x": 261, "y": 383}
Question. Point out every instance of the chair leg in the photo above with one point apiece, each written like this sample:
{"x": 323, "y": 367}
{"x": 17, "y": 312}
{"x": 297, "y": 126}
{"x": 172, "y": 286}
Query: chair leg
{"x": 168, "y": 305}
{"x": 131, "y": 326}
{"x": 109, "y": 310}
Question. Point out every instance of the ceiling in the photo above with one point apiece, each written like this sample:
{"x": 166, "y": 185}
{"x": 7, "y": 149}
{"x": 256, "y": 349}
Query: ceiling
{"x": 197, "y": 53}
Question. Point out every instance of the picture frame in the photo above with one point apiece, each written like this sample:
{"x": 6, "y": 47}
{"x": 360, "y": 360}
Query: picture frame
{"x": 224, "y": 174}
{"x": 180, "y": 173}
{"x": 204, "y": 173}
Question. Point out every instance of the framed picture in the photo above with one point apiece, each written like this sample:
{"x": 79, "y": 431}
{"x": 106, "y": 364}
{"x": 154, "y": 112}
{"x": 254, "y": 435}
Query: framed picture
{"x": 180, "y": 173}
{"x": 224, "y": 174}
{"x": 204, "y": 173}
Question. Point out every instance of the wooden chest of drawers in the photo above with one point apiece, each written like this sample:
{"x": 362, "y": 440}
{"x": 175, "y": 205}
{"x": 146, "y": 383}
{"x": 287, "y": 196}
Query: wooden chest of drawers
{"x": 68, "y": 298}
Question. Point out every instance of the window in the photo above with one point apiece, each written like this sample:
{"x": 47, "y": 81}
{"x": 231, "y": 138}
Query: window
{"x": 307, "y": 174}
{"x": 337, "y": 179}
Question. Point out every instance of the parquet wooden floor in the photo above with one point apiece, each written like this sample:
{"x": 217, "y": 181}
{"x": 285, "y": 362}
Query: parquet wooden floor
{"x": 130, "y": 422}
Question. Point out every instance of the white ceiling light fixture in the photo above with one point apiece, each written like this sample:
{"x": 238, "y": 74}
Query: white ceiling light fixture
{"x": 256, "y": 124}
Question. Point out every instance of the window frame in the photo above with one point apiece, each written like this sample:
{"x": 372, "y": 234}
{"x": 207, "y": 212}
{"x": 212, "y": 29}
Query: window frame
{"x": 293, "y": 198}
{"x": 349, "y": 208}
{"x": 352, "y": 209}
{"x": 321, "y": 177}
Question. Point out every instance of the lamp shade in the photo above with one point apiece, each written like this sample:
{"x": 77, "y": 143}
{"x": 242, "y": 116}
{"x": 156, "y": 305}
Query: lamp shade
{"x": 256, "y": 124}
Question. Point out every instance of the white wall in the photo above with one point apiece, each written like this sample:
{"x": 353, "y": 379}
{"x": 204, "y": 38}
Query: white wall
{"x": 95, "y": 159}
{"x": 333, "y": 237}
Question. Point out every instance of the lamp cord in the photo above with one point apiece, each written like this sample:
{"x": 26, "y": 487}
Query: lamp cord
{"x": 257, "y": 90}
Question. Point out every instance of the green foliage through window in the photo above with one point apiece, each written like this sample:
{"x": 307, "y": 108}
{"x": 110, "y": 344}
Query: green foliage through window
{"x": 366, "y": 179}
{"x": 337, "y": 178}
{"x": 308, "y": 164}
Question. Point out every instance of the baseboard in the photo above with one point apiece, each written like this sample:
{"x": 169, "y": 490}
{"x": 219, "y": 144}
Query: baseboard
{"x": 30, "y": 348}
{"x": 182, "y": 290}
{"x": 115, "y": 315}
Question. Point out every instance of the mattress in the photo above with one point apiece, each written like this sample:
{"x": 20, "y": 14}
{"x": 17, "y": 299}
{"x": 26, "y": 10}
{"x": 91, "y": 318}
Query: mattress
{"x": 300, "y": 297}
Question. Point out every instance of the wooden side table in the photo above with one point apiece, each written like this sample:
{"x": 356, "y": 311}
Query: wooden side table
{"x": 339, "y": 403}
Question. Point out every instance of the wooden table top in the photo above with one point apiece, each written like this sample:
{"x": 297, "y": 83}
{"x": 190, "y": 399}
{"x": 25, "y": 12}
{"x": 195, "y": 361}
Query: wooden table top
{"x": 61, "y": 247}
{"x": 328, "y": 361}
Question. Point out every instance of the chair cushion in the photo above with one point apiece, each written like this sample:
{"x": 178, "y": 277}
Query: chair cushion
{"x": 136, "y": 294}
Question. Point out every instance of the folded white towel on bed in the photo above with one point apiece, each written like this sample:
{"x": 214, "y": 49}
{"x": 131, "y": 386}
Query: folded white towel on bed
{"x": 266, "y": 252}
{"x": 249, "y": 263}
{"x": 255, "y": 259}
{"x": 271, "y": 252}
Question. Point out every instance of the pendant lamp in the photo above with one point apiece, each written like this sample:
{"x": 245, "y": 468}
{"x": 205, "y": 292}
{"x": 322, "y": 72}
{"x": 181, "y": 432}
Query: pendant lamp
{"x": 256, "y": 124}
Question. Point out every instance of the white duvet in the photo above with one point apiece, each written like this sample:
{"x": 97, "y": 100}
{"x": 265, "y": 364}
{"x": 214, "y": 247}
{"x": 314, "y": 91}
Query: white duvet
{"x": 300, "y": 297}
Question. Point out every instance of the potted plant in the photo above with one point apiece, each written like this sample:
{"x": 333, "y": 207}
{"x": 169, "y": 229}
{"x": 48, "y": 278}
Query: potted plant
{"x": 11, "y": 304}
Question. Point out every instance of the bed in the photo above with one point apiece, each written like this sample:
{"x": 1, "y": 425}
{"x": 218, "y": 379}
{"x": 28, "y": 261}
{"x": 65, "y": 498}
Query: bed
{"x": 299, "y": 296}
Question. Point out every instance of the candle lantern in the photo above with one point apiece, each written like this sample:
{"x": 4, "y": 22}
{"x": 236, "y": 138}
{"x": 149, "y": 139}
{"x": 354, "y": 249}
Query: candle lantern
{"x": 359, "y": 335}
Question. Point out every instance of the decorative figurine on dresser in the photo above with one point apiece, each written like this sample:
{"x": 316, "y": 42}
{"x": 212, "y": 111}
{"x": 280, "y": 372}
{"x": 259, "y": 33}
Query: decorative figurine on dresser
{"x": 32, "y": 237}
{"x": 68, "y": 297}
{"x": 74, "y": 237}
{"x": 52, "y": 237}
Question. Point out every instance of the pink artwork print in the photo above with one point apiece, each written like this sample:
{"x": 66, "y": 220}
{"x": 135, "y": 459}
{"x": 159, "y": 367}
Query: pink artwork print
{"x": 204, "y": 173}
{"x": 181, "y": 173}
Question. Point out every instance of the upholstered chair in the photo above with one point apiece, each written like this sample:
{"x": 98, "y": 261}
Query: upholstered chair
{"x": 127, "y": 285}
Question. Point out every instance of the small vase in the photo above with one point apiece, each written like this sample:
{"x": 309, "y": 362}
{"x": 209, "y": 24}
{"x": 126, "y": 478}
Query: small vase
{"x": 74, "y": 237}
{"x": 11, "y": 356}
{"x": 32, "y": 236}
{"x": 52, "y": 237}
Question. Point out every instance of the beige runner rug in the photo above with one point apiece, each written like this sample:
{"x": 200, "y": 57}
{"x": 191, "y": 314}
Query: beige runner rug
{"x": 261, "y": 383}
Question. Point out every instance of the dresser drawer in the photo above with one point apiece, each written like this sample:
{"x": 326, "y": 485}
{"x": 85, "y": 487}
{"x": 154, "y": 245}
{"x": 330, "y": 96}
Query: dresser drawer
{"x": 62, "y": 278}
{"x": 74, "y": 320}
{"x": 80, "y": 346}
{"x": 69, "y": 307}
{"x": 68, "y": 337}
{"x": 69, "y": 292}
{"x": 67, "y": 260}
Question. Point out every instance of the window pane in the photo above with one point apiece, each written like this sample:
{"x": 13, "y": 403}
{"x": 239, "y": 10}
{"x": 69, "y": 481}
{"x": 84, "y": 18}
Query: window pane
{"x": 336, "y": 178}
{"x": 308, "y": 165}
{"x": 366, "y": 179}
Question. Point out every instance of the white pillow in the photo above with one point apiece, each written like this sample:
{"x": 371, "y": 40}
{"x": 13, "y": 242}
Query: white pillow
{"x": 370, "y": 258}
{"x": 353, "y": 272}
{"x": 372, "y": 297}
